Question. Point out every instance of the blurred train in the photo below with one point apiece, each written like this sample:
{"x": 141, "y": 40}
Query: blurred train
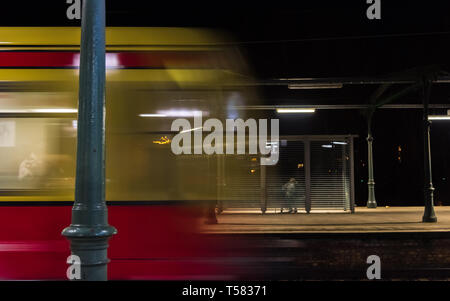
{"x": 154, "y": 75}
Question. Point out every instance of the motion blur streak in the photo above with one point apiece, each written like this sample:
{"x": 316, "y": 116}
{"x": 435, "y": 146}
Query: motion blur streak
{"x": 157, "y": 199}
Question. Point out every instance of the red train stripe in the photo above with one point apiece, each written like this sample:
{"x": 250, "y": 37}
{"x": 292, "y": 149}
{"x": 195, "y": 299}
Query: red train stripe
{"x": 153, "y": 242}
{"x": 143, "y": 59}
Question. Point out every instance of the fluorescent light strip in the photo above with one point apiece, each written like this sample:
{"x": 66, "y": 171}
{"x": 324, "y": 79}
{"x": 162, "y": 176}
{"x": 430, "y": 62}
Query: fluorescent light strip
{"x": 290, "y": 111}
{"x": 152, "y": 115}
{"x": 174, "y": 113}
{"x": 339, "y": 143}
{"x": 40, "y": 111}
{"x": 55, "y": 111}
{"x": 181, "y": 113}
{"x": 439, "y": 117}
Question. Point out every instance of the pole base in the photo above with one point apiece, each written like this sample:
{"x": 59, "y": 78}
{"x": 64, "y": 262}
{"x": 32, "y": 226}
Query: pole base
{"x": 429, "y": 215}
{"x": 371, "y": 205}
{"x": 92, "y": 253}
{"x": 90, "y": 245}
{"x": 429, "y": 219}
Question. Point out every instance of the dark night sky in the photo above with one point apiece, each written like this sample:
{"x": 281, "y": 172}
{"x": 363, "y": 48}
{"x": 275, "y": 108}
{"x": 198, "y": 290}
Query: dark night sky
{"x": 318, "y": 39}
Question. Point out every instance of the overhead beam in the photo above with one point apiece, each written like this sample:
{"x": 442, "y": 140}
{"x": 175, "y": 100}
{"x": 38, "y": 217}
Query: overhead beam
{"x": 346, "y": 81}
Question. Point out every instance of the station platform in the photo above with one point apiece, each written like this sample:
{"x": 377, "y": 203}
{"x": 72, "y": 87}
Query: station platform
{"x": 364, "y": 220}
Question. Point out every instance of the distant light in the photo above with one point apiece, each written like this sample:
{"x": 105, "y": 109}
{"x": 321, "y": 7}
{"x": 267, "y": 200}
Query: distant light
{"x": 327, "y": 146}
{"x": 152, "y": 115}
{"x": 314, "y": 86}
{"x": 191, "y": 130}
{"x": 301, "y": 165}
{"x": 252, "y": 171}
{"x": 439, "y": 117}
{"x": 339, "y": 143}
{"x": 291, "y": 111}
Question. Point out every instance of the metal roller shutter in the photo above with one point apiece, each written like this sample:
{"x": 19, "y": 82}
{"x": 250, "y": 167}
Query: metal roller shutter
{"x": 241, "y": 187}
{"x": 321, "y": 166}
{"x": 330, "y": 175}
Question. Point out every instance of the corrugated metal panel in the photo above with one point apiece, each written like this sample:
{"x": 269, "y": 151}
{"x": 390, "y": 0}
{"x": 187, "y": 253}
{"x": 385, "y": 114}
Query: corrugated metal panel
{"x": 242, "y": 182}
{"x": 330, "y": 175}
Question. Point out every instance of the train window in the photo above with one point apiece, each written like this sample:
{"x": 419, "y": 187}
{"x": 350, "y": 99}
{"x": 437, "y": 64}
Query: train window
{"x": 38, "y": 152}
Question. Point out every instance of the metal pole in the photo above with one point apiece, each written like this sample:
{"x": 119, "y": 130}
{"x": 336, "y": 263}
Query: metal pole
{"x": 90, "y": 232}
{"x": 371, "y": 202}
{"x": 429, "y": 215}
{"x": 352, "y": 177}
{"x": 307, "y": 150}
{"x": 263, "y": 189}
{"x": 344, "y": 179}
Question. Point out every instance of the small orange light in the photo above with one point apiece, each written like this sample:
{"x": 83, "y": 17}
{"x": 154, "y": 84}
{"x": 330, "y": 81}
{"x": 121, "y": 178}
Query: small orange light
{"x": 162, "y": 140}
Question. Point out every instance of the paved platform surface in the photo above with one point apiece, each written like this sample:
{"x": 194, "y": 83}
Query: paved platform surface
{"x": 391, "y": 219}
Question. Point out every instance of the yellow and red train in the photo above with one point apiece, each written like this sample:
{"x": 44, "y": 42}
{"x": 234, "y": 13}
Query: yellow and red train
{"x": 154, "y": 75}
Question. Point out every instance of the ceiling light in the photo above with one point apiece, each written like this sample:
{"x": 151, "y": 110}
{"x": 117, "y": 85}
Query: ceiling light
{"x": 340, "y": 143}
{"x": 152, "y": 115}
{"x": 293, "y": 110}
{"x": 439, "y": 117}
{"x": 55, "y": 111}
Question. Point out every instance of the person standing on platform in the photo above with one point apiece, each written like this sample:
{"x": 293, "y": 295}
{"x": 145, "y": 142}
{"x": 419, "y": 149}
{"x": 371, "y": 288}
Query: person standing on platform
{"x": 289, "y": 190}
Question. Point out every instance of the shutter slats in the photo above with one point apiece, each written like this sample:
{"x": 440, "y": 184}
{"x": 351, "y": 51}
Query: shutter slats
{"x": 330, "y": 177}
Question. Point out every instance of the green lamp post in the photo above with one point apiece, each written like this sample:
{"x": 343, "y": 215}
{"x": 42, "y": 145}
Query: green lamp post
{"x": 377, "y": 101}
{"x": 429, "y": 215}
{"x": 371, "y": 202}
{"x": 89, "y": 231}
